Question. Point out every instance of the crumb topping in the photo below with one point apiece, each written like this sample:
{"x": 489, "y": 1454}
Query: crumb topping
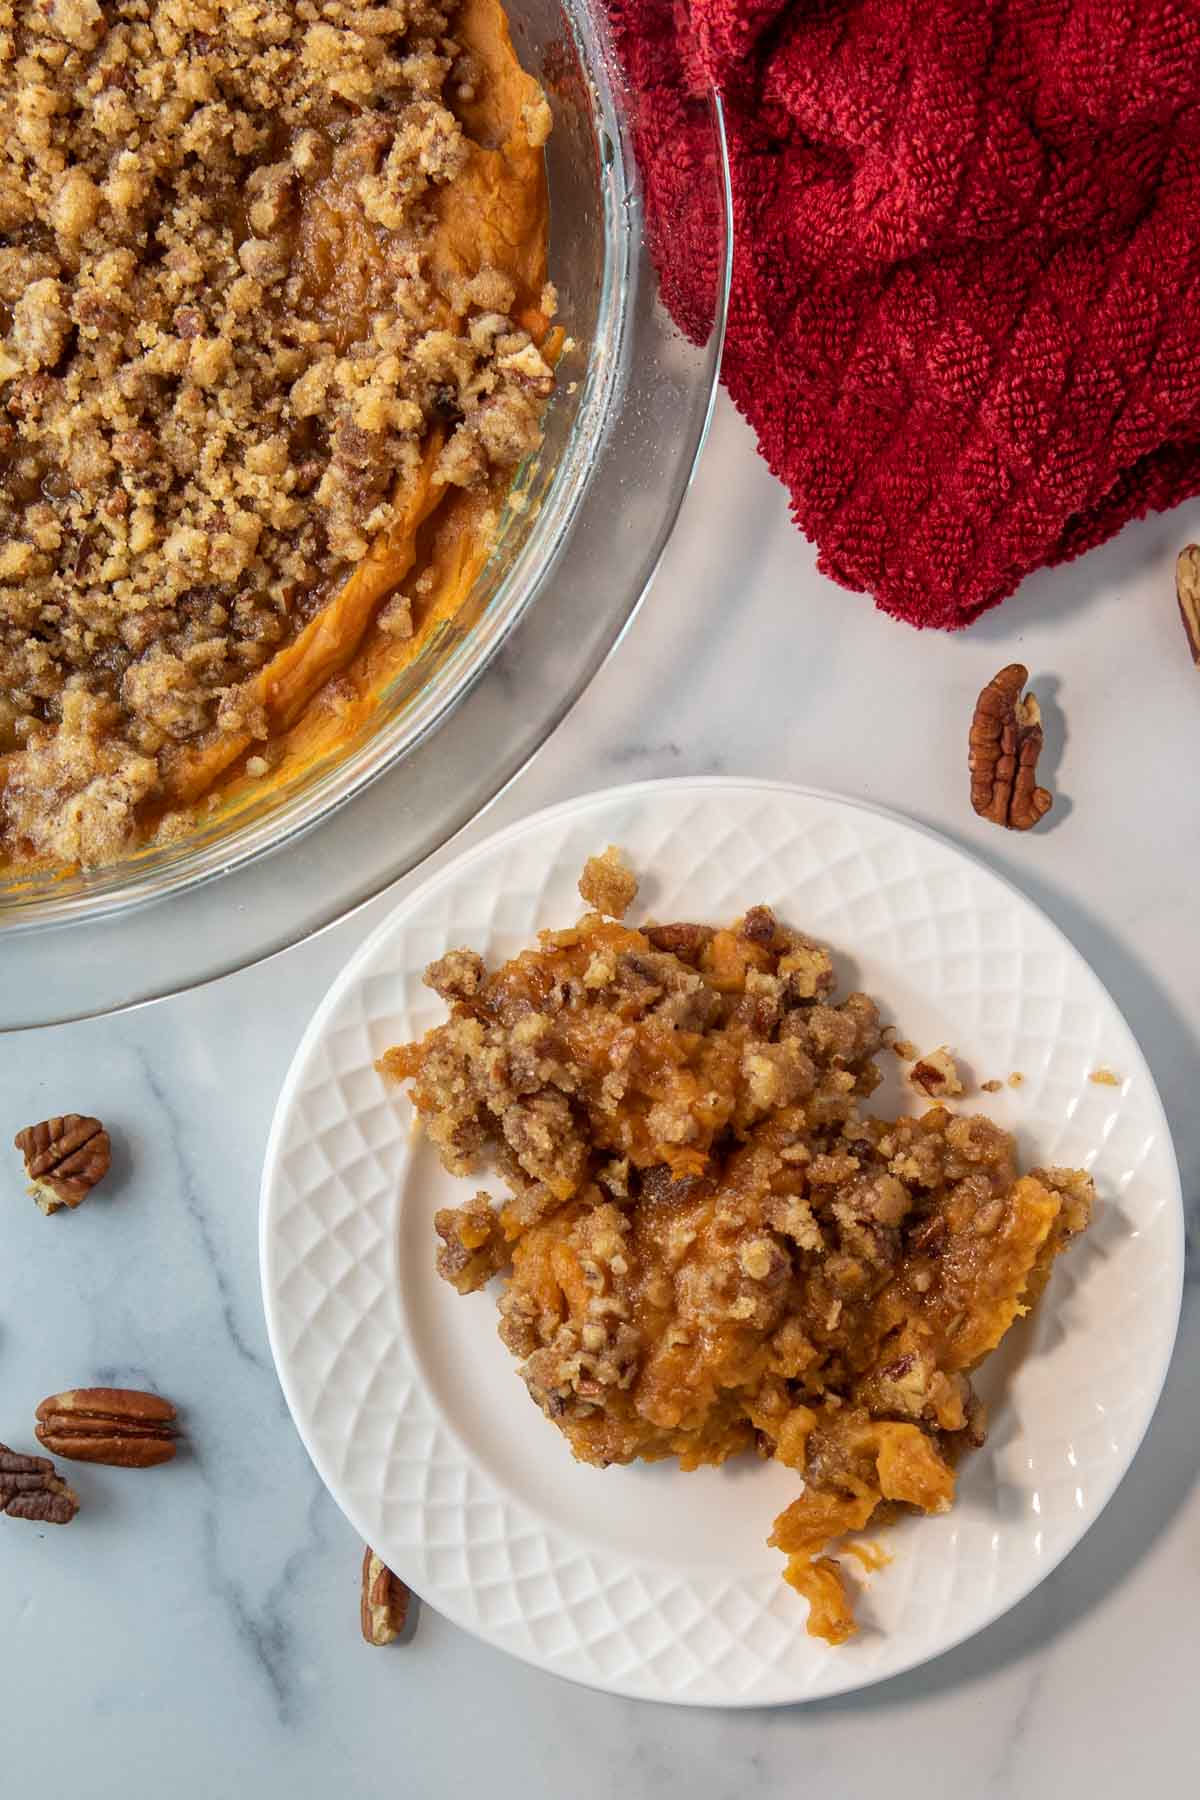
{"x": 223, "y": 353}
{"x": 608, "y": 884}
{"x": 707, "y": 1245}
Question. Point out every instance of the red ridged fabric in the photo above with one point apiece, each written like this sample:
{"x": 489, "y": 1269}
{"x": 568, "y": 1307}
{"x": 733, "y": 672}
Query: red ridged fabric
{"x": 965, "y": 321}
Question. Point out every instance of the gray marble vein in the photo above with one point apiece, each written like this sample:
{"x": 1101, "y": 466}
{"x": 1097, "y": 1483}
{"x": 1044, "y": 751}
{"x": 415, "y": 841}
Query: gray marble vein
{"x": 186, "y": 1188}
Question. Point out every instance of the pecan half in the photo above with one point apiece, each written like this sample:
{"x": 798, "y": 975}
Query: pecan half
{"x": 384, "y": 1601}
{"x": 119, "y": 1426}
{"x": 1006, "y": 741}
{"x": 1187, "y": 592}
{"x": 64, "y": 1159}
{"x": 29, "y": 1489}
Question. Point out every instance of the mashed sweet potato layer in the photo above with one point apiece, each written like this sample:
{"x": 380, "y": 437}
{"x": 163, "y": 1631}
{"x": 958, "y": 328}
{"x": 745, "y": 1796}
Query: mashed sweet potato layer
{"x": 707, "y": 1248}
{"x": 278, "y": 332}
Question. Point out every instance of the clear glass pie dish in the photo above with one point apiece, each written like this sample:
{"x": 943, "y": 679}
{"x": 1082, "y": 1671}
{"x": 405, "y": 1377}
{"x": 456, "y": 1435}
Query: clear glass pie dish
{"x": 586, "y": 524}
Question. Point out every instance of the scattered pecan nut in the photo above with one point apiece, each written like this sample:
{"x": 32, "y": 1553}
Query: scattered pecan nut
{"x": 384, "y": 1601}
{"x": 1187, "y": 592}
{"x": 29, "y": 1489}
{"x": 119, "y": 1426}
{"x": 64, "y": 1159}
{"x": 936, "y": 1074}
{"x": 1006, "y": 741}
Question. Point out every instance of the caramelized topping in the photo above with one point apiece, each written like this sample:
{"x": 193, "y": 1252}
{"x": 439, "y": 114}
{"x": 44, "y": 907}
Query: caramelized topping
{"x": 707, "y": 1248}
{"x": 249, "y": 313}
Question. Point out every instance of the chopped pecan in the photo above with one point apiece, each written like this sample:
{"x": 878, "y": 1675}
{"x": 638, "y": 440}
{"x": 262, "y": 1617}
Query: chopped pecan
{"x": 188, "y": 321}
{"x": 936, "y": 1075}
{"x": 1006, "y": 741}
{"x": 1187, "y": 592}
{"x": 928, "y": 1236}
{"x": 660, "y": 1187}
{"x": 29, "y": 1489}
{"x": 64, "y": 1159}
{"x": 444, "y": 405}
{"x": 384, "y": 1601}
{"x": 458, "y": 975}
{"x": 684, "y": 941}
{"x": 119, "y": 1426}
{"x": 759, "y": 926}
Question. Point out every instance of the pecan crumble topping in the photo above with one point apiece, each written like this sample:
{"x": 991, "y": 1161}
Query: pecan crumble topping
{"x": 707, "y": 1247}
{"x": 262, "y": 305}
{"x": 607, "y": 884}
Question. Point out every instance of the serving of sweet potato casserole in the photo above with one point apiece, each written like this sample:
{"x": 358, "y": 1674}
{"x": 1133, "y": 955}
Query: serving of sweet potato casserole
{"x": 707, "y": 1246}
{"x": 275, "y": 332}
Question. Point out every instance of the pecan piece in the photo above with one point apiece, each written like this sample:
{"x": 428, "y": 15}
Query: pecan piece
{"x": 29, "y": 1489}
{"x": 1006, "y": 741}
{"x": 119, "y": 1426}
{"x": 936, "y": 1075}
{"x": 759, "y": 927}
{"x": 929, "y": 1237}
{"x": 1187, "y": 592}
{"x": 384, "y": 1601}
{"x": 681, "y": 940}
{"x": 444, "y": 404}
{"x": 64, "y": 1159}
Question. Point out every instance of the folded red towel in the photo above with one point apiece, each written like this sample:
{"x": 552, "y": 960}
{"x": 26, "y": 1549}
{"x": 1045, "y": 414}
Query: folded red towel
{"x": 965, "y": 320}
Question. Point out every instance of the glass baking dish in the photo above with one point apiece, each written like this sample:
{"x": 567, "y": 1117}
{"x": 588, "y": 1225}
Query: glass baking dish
{"x": 583, "y": 532}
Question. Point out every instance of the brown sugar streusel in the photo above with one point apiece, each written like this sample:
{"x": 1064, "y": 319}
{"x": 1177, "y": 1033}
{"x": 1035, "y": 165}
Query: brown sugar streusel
{"x": 707, "y": 1246}
{"x": 608, "y": 884}
{"x": 237, "y": 326}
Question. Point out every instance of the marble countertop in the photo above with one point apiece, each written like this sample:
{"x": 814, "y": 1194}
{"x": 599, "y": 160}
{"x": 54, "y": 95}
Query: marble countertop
{"x": 196, "y": 1633}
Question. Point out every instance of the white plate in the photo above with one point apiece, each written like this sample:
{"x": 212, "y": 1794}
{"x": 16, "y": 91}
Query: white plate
{"x": 642, "y": 1580}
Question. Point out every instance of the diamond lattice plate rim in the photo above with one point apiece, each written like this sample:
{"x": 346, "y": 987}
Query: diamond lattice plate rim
{"x": 638, "y": 1580}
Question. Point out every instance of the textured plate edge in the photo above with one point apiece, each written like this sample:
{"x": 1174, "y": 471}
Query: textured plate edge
{"x": 697, "y": 785}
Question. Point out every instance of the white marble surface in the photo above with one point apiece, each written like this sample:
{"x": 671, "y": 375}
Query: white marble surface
{"x": 195, "y": 1632}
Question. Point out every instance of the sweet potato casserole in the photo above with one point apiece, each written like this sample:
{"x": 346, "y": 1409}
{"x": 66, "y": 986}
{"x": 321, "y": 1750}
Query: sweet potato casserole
{"x": 275, "y": 332}
{"x": 707, "y": 1246}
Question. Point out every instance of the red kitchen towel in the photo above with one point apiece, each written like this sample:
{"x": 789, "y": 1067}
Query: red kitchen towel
{"x": 965, "y": 320}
